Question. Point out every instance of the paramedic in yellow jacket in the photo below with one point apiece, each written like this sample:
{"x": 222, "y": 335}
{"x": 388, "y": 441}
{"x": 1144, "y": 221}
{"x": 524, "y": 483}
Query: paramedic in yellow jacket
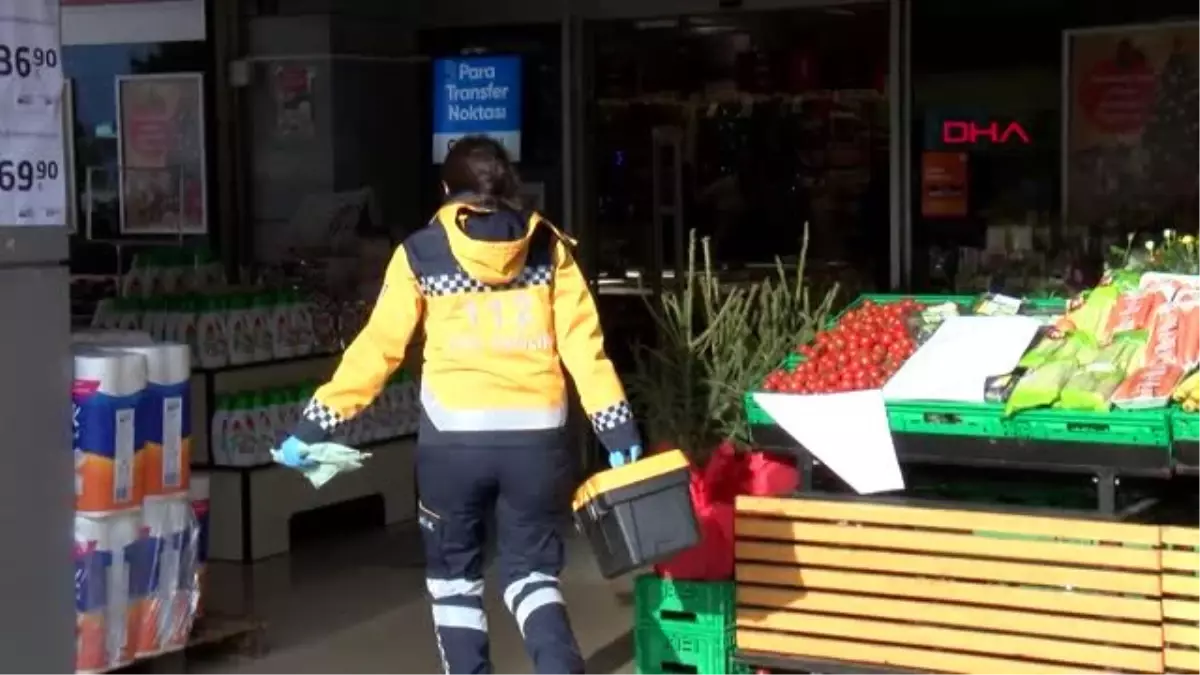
{"x": 503, "y": 307}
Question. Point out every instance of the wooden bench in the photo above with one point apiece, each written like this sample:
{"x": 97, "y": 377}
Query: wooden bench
{"x": 948, "y": 589}
{"x": 1181, "y": 599}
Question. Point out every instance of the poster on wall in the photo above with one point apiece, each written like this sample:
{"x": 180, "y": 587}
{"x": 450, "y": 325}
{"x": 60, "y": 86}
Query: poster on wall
{"x": 163, "y": 184}
{"x": 477, "y": 95}
{"x": 1130, "y": 128}
{"x": 292, "y": 88}
{"x": 32, "y": 175}
{"x": 944, "y": 187}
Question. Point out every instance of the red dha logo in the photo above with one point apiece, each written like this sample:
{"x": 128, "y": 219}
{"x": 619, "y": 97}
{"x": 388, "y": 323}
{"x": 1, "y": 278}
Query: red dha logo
{"x": 960, "y": 132}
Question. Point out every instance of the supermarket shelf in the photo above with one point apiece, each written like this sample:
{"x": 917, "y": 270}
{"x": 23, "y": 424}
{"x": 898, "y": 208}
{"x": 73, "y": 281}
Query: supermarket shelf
{"x": 779, "y": 663}
{"x": 264, "y": 364}
{"x": 1008, "y": 453}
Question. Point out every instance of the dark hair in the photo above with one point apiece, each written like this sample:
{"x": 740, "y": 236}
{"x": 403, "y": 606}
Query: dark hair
{"x": 477, "y": 170}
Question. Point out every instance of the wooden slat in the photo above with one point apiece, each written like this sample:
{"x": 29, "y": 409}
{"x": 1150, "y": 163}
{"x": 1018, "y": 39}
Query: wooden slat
{"x": 1181, "y": 536}
{"x": 980, "y": 570}
{"x": 1108, "y": 606}
{"x": 902, "y": 657}
{"x": 1180, "y": 584}
{"x": 885, "y": 514}
{"x": 1042, "y": 649}
{"x": 1183, "y": 660}
{"x": 947, "y": 543}
{"x": 1009, "y": 621}
{"x": 1186, "y": 561}
{"x": 1181, "y": 634}
{"x": 1181, "y": 610}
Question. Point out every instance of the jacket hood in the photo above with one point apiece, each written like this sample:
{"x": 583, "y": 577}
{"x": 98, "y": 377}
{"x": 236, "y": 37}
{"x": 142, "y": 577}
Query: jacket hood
{"x": 491, "y": 245}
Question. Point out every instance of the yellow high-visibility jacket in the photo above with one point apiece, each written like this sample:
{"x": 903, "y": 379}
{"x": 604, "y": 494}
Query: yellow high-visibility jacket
{"x": 503, "y": 306}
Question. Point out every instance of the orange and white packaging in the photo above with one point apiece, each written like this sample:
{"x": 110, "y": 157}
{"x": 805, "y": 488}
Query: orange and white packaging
{"x": 1173, "y": 348}
{"x": 167, "y": 617}
{"x": 1135, "y": 310}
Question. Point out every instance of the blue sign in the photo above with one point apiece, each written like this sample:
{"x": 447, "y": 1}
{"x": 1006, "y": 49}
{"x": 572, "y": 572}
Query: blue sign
{"x": 477, "y": 95}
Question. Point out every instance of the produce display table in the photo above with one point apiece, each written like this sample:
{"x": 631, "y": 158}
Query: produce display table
{"x": 1105, "y": 464}
{"x": 874, "y": 584}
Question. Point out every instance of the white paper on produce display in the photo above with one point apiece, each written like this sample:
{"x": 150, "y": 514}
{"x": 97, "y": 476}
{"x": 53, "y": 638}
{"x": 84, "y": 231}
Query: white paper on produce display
{"x": 954, "y": 364}
{"x": 848, "y": 432}
{"x": 32, "y": 171}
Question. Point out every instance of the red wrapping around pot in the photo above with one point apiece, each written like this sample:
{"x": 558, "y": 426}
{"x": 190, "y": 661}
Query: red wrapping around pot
{"x": 769, "y": 474}
{"x": 712, "y": 558}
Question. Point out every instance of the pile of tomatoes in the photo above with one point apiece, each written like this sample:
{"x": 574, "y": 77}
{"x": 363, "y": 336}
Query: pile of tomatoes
{"x": 866, "y": 347}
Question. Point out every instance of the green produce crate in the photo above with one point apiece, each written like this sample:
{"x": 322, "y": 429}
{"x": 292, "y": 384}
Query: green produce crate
{"x": 672, "y": 603}
{"x": 963, "y": 301}
{"x": 1185, "y": 426}
{"x": 682, "y": 651}
{"x": 1114, "y": 427}
{"x": 754, "y": 413}
{"x": 950, "y": 419}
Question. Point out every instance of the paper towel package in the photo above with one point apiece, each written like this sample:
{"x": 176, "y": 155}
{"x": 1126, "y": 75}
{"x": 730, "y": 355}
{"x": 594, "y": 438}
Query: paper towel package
{"x": 198, "y": 493}
{"x": 167, "y": 617}
{"x": 128, "y": 584}
{"x": 166, "y": 417}
{"x": 93, "y": 557}
{"x": 108, "y": 447}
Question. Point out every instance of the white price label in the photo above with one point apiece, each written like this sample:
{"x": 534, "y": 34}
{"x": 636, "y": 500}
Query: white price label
{"x": 32, "y": 170}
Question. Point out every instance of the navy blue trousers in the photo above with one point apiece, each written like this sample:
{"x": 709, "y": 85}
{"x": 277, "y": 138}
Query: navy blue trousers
{"x": 527, "y": 489}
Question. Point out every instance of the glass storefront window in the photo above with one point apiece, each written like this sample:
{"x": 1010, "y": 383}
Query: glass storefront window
{"x": 992, "y": 207}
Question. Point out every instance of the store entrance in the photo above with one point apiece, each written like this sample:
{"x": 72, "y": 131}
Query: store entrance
{"x": 742, "y": 127}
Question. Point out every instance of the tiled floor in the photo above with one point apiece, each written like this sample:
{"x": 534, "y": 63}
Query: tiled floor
{"x": 357, "y": 605}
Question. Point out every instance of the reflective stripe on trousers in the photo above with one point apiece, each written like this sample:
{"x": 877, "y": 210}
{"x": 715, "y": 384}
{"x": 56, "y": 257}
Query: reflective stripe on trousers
{"x": 530, "y": 593}
{"x": 458, "y": 618}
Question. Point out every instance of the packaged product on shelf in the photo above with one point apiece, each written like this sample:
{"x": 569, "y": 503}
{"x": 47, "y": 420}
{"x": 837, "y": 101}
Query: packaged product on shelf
{"x": 996, "y": 304}
{"x": 108, "y": 443}
{"x": 130, "y": 314}
{"x": 265, "y": 424}
{"x": 170, "y": 610}
{"x": 1042, "y": 383}
{"x": 212, "y": 331}
{"x": 165, "y": 415}
{"x": 218, "y": 431}
{"x": 242, "y": 436}
{"x": 93, "y": 557}
{"x": 262, "y": 326}
{"x": 106, "y": 315}
{"x": 1136, "y": 309}
{"x": 1092, "y": 316}
{"x": 208, "y": 274}
{"x": 1171, "y": 350}
{"x": 303, "y": 330}
{"x": 185, "y": 329}
{"x": 174, "y": 269}
{"x": 134, "y": 282}
{"x": 324, "y": 313}
{"x": 1093, "y": 386}
{"x": 282, "y": 332}
{"x": 198, "y": 493}
{"x": 241, "y": 330}
{"x": 281, "y": 405}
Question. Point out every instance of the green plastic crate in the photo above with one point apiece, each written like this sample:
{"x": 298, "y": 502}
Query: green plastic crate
{"x": 1115, "y": 427}
{"x": 1185, "y": 426}
{"x": 682, "y": 651}
{"x": 671, "y": 603}
{"x": 950, "y": 419}
{"x": 754, "y": 413}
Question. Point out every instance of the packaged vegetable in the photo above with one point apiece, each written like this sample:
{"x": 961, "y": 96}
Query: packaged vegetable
{"x": 1174, "y": 335}
{"x": 996, "y": 304}
{"x": 1043, "y": 351}
{"x": 1042, "y": 384}
{"x": 1163, "y": 366}
{"x": 1135, "y": 310}
{"x": 1092, "y": 387}
{"x": 1093, "y": 315}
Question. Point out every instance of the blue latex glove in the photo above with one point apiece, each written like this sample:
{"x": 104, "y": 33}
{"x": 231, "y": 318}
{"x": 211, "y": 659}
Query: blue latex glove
{"x": 618, "y": 458}
{"x": 293, "y": 453}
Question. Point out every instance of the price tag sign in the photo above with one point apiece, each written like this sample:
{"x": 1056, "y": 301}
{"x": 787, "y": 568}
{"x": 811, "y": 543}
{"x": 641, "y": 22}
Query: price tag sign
{"x": 32, "y": 172}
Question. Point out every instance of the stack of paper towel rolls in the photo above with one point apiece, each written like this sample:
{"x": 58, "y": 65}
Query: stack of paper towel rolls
{"x": 135, "y": 533}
